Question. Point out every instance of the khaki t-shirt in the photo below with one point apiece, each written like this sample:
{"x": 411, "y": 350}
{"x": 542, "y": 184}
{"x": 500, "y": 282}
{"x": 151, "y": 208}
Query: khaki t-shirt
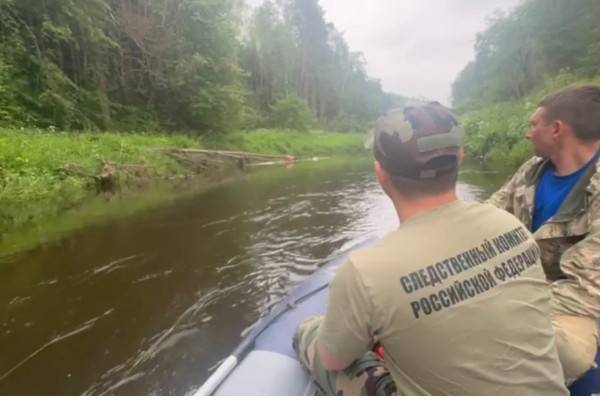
{"x": 457, "y": 298}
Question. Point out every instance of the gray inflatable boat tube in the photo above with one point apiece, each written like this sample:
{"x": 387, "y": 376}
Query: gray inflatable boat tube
{"x": 265, "y": 364}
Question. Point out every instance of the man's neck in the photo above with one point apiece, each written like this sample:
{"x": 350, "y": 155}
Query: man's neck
{"x": 407, "y": 208}
{"x": 572, "y": 157}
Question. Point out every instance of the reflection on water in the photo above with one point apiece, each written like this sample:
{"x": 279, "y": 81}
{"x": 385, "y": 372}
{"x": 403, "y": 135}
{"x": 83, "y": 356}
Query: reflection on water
{"x": 150, "y": 304}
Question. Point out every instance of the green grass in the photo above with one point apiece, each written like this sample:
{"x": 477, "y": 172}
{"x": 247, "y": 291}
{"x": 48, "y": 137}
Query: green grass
{"x": 33, "y": 186}
{"x": 300, "y": 144}
{"x": 39, "y": 200}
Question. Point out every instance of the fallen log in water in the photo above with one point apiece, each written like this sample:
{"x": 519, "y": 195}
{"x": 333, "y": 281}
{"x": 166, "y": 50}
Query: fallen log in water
{"x": 232, "y": 154}
{"x": 296, "y": 160}
{"x": 216, "y": 158}
{"x": 204, "y": 158}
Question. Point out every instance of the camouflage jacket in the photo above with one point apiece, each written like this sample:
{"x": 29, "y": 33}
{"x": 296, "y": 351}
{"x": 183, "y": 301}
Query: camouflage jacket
{"x": 569, "y": 241}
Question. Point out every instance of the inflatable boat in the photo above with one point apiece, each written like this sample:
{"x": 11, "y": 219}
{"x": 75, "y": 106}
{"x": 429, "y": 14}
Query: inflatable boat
{"x": 265, "y": 364}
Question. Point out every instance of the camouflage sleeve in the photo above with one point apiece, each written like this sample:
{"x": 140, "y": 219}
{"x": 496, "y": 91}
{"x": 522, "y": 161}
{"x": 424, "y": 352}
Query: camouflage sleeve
{"x": 579, "y": 294}
{"x": 504, "y": 197}
{"x": 346, "y": 329}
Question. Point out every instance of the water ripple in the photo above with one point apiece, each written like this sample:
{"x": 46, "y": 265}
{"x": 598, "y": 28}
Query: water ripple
{"x": 82, "y": 328}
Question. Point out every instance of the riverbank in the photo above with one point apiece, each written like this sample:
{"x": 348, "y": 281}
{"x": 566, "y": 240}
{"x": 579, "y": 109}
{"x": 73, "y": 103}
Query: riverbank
{"x": 45, "y": 176}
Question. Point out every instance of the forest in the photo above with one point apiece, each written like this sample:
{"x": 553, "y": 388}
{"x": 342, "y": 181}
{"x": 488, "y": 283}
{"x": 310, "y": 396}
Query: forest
{"x": 195, "y": 66}
{"x": 540, "y": 47}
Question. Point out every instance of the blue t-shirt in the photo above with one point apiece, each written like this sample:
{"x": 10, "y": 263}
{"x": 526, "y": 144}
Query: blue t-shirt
{"x": 552, "y": 190}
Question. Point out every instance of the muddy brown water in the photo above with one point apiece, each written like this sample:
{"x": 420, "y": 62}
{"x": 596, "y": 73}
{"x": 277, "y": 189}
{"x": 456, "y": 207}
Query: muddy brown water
{"x": 150, "y": 304}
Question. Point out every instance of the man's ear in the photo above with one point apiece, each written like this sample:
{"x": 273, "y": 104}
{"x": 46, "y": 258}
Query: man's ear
{"x": 381, "y": 174}
{"x": 383, "y": 178}
{"x": 461, "y": 156}
{"x": 563, "y": 131}
{"x": 558, "y": 128}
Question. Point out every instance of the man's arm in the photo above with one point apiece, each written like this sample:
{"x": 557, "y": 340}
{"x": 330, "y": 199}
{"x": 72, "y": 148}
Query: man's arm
{"x": 343, "y": 335}
{"x": 346, "y": 332}
{"x": 503, "y": 198}
{"x": 580, "y": 292}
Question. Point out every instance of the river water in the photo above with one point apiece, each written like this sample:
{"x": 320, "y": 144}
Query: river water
{"x": 149, "y": 304}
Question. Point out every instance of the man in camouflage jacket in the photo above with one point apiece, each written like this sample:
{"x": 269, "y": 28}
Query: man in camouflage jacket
{"x": 570, "y": 239}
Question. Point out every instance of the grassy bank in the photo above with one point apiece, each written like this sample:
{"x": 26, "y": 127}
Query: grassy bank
{"x": 313, "y": 143}
{"x": 47, "y": 175}
{"x": 495, "y": 134}
{"x": 44, "y": 174}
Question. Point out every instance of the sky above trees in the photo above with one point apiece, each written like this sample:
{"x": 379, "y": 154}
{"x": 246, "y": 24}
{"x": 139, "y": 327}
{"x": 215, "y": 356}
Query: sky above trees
{"x": 417, "y": 48}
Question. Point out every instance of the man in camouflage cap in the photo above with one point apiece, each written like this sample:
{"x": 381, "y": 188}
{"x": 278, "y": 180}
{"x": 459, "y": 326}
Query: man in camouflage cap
{"x": 456, "y": 297}
{"x": 556, "y": 194}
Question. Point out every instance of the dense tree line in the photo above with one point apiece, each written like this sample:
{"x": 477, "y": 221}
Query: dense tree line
{"x": 189, "y": 65}
{"x": 292, "y": 52}
{"x": 518, "y": 51}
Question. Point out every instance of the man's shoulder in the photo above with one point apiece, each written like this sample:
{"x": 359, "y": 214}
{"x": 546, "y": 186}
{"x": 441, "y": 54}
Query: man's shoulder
{"x": 492, "y": 212}
{"x": 373, "y": 254}
{"x": 527, "y": 168}
{"x": 468, "y": 224}
{"x": 478, "y": 221}
{"x": 387, "y": 252}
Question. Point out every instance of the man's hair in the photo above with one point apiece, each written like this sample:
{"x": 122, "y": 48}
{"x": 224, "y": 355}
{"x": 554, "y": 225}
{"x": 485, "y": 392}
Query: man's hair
{"x": 578, "y": 106}
{"x": 426, "y": 187}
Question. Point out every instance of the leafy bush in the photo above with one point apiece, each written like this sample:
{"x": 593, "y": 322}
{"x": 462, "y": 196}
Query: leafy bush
{"x": 12, "y": 112}
{"x": 291, "y": 112}
{"x": 510, "y": 159}
{"x": 496, "y": 133}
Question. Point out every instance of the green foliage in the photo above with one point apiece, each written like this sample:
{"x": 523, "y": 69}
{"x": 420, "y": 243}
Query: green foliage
{"x": 291, "y": 112}
{"x": 33, "y": 181}
{"x": 565, "y": 78}
{"x": 177, "y": 65}
{"x": 496, "y": 133}
{"x": 516, "y": 52}
{"x": 539, "y": 48}
{"x": 499, "y": 125}
{"x": 105, "y": 64}
{"x": 510, "y": 158}
{"x": 11, "y": 112}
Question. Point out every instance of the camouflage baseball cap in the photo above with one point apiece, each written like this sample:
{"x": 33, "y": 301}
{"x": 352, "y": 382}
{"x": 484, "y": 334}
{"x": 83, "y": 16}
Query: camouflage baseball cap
{"x": 418, "y": 142}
